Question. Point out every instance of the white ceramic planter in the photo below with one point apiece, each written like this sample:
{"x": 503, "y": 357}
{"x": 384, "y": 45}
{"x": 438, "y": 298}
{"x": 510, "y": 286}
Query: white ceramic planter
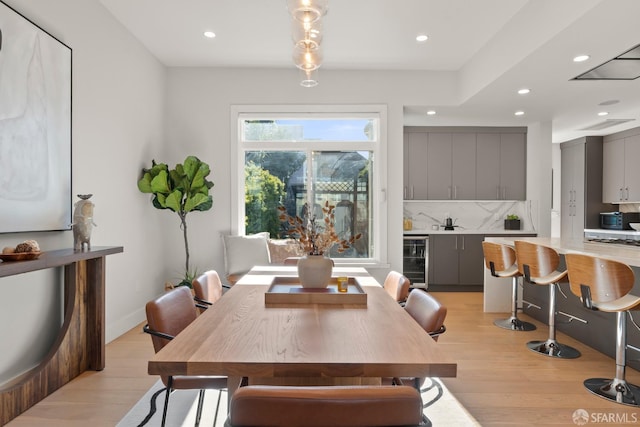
{"x": 314, "y": 271}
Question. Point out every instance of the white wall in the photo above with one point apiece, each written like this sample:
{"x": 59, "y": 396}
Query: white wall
{"x": 118, "y": 101}
{"x": 198, "y": 116}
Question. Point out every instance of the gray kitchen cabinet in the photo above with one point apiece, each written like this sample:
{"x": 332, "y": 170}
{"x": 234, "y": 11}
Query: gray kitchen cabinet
{"x": 415, "y": 166}
{"x": 456, "y": 259}
{"x": 501, "y": 166}
{"x": 439, "y": 158}
{"x": 513, "y": 166}
{"x": 457, "y": 163}
{"x": 621, "y": 176}
{"x": 463, "y": 166}
{"x": 451, "y": 166}
{"x": 581, "y": 186}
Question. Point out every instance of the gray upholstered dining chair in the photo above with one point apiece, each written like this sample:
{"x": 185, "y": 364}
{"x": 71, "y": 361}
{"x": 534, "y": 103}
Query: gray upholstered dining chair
{"x": 167, "y": 316}
{"x": 322, "y": 406}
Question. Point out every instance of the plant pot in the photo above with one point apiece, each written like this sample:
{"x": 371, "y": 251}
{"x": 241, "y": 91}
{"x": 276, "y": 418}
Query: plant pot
{"x": 314, "y": 271}
{"x": 512, "y": 224}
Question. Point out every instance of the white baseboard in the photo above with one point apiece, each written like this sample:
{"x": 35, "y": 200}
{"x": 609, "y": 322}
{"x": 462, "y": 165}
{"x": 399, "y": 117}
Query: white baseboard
{"x": 124, "y": 324}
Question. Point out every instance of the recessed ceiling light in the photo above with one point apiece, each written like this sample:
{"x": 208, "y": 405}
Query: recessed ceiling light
{"x": 421, "y": 38}
{"x": 431, "y": 113}
{"x": 603, "y": 113}
{"x": 209, "y": 34}
{"x": 519, "y": 113}
{"x": 580, "y": 58}
{"x": 524, "y": 91}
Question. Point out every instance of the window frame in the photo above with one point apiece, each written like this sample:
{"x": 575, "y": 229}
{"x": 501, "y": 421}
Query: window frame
{"x": 379, "y": 181}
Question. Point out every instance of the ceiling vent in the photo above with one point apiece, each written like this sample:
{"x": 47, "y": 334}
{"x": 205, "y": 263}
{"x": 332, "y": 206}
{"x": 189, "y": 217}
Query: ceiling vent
{"x": 622, "y": 67}
{"x": 607, "y": 124}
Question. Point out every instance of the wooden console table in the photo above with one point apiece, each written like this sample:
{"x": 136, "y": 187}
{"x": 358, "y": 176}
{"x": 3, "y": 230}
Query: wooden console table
{"x": 80, "y": 345}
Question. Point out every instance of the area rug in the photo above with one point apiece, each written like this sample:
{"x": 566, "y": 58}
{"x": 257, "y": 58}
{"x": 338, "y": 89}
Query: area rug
{"x": 440, "y": 407}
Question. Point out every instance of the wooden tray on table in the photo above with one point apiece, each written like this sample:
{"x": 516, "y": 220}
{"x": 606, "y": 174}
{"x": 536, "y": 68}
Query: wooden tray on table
{"x": 285, "y": 290}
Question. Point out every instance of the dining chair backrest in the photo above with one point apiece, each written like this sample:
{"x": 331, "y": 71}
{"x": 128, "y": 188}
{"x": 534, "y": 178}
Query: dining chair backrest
{"x": 607, "y": 280}
{"x": 397, "y": 286}
{"x": 427, "y": 311}
{"x": 207, "y": 287}
{"x": 169, "y": 314}
{"x": 322, "y": 406}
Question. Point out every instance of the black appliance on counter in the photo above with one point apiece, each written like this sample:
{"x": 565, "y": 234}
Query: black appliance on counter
{"x": 618, "y": 220}
{"x": 415, "y": 259}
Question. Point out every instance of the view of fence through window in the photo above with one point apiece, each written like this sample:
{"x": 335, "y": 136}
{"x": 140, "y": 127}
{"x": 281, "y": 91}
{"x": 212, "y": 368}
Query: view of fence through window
{"x": 280, "y": 176}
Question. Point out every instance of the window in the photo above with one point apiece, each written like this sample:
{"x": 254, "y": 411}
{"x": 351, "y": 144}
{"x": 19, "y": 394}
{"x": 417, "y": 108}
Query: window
{"x": 298, "y": 160}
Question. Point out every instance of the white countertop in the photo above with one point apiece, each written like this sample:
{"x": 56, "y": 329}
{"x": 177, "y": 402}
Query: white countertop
{"x": 460, "y": 230}
{"x": 627, "y": 254}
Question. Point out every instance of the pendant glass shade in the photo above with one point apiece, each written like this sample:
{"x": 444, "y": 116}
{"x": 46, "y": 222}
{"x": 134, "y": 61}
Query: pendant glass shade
{"x": 309, "y": 78}
{"x": 307, "y": 58}
{"x": 307, "y": 10}
{"x": 307, "y": 33}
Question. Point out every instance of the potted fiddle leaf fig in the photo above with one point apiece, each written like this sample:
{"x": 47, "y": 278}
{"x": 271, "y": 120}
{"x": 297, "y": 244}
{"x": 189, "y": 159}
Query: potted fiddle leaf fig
{"x": 182, "y": 190}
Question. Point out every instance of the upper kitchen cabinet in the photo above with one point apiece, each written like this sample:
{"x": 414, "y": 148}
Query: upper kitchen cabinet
{"x": 415, "y": 165}
{"x": 581, "y": 186}
{"x": 621, "y": 176}
{"x": 451, "y": 166}
{"x": 501, "y": 166}
{"x": 464, "y": 163}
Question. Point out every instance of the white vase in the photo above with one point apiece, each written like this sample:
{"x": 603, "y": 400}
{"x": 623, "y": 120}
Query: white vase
{"x": 314, "y": 271}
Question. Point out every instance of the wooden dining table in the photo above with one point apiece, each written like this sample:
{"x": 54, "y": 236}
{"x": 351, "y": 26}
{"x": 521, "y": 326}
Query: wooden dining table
{"x": 242, "y": 336}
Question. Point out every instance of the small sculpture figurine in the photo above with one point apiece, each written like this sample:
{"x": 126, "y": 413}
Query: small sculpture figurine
{"x": 83, "y": 222}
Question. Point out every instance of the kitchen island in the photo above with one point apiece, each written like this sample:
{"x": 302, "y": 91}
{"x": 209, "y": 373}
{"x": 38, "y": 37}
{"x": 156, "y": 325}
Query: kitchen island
{"x": 594, "y": 328}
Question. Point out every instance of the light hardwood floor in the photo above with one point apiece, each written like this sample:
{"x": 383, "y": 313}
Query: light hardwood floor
{"x": 499, "y": 380}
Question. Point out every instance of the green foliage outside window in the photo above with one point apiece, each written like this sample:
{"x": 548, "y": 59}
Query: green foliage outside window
{"x": 263, "y": 195}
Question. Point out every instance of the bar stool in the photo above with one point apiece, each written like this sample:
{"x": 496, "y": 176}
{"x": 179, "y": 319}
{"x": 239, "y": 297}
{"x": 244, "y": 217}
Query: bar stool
{"x": 604, "y": 285}
{"x": 539, "y": 265}
{"x": 501, "y": 261}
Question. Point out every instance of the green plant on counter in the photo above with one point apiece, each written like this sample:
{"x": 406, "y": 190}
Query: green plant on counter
{"x": 513, "y": 216}
{"x": 182, "y": 190}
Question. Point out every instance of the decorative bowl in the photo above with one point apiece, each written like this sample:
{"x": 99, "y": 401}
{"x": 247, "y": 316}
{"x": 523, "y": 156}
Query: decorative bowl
{"x": 20, "y": 256}
{"x": 635, "y": 225}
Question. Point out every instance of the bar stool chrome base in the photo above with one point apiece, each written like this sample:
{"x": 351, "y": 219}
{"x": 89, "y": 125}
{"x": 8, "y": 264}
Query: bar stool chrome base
{"x": 514, "y": 324}
{"x": 616, "y": 390}
{"x": 553, "y": 348}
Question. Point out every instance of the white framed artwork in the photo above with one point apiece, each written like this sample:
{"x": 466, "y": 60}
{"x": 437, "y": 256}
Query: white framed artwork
{"x": 35, "y": 127}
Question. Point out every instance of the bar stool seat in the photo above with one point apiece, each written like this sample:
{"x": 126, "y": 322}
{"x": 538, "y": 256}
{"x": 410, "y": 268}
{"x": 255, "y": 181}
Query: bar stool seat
{"x": 603, "y": 284}
{"x": 501, "y": 261}
{"x": 539, "y": 265}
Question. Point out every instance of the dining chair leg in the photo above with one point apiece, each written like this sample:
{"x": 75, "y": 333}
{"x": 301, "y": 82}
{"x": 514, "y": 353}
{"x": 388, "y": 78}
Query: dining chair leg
{"x": 166, "y": 401}
{"x": 215, "y": 418}
{"x": 199, "y": 410}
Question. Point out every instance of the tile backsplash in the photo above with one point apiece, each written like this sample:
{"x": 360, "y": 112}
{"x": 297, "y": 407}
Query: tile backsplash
{"x": 471, "y": 215}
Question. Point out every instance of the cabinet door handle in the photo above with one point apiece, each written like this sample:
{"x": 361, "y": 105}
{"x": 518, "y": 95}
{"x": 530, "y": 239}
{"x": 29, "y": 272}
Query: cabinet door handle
{"x": 455, "y": 192}
{"x": 449, "y": 192}
{"x": 497, "y": 192}
{"x": 620, "y": 198}
{"x": 405, "y": 192}
{"x": 627, "y": 198}
{"x": 412, "y": 192}
{"x": 456, "y": 243}
{"x": 463, "y": 243}
{"x": 504, "y": 193}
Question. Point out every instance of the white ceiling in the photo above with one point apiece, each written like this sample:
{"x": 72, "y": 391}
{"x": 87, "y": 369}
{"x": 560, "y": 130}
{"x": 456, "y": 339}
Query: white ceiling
{"x": 491, "y": 47}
